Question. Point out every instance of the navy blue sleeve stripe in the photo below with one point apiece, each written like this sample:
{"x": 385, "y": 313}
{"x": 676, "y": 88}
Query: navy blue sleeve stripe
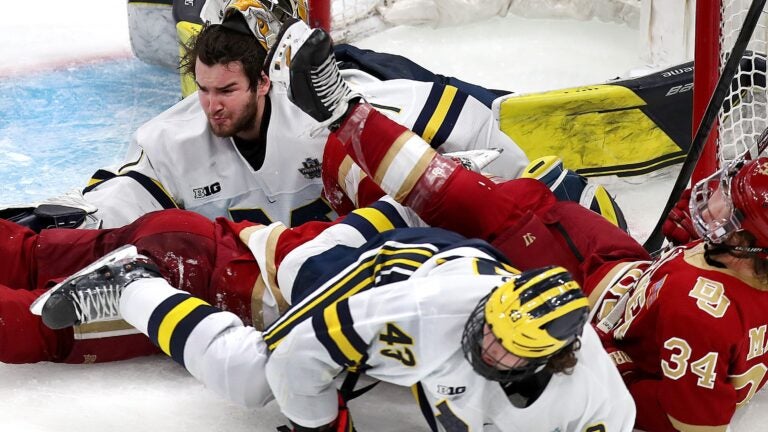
{"x": 429, "y": 109}
{"x": 360, "y": 224}
{"x": 331, "y": 295}
{"x": 321, "y": 333}
{"x": 348, "y": 328}
{"x": 147, "y": 183}
{"x": 390, "y": 212}
{"x": 184, "y": 328}
{"x": 161, "y": 311}
{"x": 449, "y": 122}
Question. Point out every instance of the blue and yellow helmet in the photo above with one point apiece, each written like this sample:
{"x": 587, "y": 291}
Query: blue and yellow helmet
{"x": 534, "y": 316}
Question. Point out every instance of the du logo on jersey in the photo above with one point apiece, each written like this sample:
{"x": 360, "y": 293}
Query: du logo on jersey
{"x": 206, "y": 191}
{"x": 311, "y": 168}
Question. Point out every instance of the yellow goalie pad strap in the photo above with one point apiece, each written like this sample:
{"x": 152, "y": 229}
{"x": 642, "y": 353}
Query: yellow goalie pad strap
{"x": 185, "y": 31}
{"x": 596, "y": 130}
{"x": 540, "y": 167}
{"x": 606, "y": 206}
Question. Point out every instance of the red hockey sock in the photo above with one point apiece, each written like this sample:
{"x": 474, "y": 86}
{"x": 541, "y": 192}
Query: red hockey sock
{"x": 17, "y": 249}
{"x": 398, "y": 160}
{"x": 23, "y": 336}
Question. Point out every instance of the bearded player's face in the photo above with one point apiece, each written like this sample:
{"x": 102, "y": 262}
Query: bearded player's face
{"x": 232, "y": 108}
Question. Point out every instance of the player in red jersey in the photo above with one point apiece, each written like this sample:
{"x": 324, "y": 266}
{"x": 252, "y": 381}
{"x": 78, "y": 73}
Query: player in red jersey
{"x": 690, "y": 332}
{"x": 206, "y": 258}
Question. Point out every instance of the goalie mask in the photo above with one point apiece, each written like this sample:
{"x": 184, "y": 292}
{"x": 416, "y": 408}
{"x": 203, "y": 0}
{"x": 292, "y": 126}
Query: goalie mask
{"x": 732, "y": 199}
{"x": 262, "y": 18}
{"x": 514, "y": 331}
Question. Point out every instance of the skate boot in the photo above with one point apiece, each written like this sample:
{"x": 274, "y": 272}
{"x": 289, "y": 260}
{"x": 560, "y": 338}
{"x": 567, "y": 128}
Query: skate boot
{"x": 93, "y": 293}
{"x": 475, "y": 160}
{"x": 568, "y": 185}
{"x": 303, "y": 58}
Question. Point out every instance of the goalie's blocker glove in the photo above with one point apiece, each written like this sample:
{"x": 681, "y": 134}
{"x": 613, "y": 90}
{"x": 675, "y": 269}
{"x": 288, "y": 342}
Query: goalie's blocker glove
{"x": 66, "y": 211}
{"x": 570, "y": 186}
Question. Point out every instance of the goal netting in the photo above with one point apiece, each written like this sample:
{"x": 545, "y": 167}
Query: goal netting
{"x": 353, "y": 19}
{"x": 743, "y": 115}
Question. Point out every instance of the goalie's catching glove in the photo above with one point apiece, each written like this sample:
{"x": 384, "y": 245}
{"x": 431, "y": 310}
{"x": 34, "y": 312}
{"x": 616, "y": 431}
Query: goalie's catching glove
{"x": 70, "y": 210}
{"x": 678, "y": 227}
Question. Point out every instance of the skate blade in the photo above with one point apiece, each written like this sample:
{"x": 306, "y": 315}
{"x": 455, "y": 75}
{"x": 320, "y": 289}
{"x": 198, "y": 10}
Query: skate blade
{"x": 125, "y": 251}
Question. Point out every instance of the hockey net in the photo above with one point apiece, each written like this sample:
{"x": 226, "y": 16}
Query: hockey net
{"x": 743, "y": 115}
{"x": 349, "y": 20}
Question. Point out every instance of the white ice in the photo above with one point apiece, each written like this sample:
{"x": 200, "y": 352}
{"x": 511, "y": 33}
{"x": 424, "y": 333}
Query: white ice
{"x": 156, "y": 394}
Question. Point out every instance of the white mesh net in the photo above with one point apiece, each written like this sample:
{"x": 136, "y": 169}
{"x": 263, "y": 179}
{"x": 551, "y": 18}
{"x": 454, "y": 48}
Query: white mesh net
{"x": 744, "y": 114}
{"x": 354, "y": 19}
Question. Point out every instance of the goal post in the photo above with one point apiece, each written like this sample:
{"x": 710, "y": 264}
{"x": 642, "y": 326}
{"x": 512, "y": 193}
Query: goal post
{"x": 320, "y": 14}
{"x": 705, "y": 74}
{"x": 736, "y": 109}
{"x": 744, "y": 113}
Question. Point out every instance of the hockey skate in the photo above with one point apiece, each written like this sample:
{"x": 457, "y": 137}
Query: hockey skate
{"x": 475, "y": 160}
{"x": 93, "y": 293}
{"x": 303, "y": 59}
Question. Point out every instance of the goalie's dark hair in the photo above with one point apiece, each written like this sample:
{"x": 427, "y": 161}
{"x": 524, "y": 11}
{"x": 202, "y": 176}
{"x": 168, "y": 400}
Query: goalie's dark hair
{"x": 217, "y": 44}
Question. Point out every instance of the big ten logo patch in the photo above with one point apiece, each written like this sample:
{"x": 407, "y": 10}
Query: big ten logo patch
{"x": 450, "y": 390}
{"x": 206, "y": 191}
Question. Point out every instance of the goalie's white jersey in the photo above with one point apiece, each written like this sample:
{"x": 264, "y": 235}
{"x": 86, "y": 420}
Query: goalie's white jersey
{"x": 175, "y": 160}
{"x": 178, "y": 162}
{"x": 409, "y": 333}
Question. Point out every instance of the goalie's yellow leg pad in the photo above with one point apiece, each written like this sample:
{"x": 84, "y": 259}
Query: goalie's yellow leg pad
{"x": 186, "y": 31}
{"x": 543, "y": 167}
{"x": 596, "y": 130}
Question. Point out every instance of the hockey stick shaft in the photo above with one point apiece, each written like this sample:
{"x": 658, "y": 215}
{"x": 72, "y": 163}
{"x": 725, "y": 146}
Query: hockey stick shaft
{"x": 655, "y": 240}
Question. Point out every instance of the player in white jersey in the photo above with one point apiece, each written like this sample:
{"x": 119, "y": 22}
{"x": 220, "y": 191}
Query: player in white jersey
{"x": 240, "y": 149}
{"x": 423, "y": 307}
{"x": 480, "y": 346}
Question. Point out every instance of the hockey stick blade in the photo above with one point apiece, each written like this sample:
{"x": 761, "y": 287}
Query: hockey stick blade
{"x": 125, "y": 251}
{"x": 656, "y": 239}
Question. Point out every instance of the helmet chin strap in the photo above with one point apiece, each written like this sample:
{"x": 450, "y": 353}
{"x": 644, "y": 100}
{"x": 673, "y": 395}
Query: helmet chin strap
{"x": 711, "y": 249}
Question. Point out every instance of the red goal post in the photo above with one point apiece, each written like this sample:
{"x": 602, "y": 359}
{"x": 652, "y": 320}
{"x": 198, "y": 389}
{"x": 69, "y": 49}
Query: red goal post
{"x": 320, "y": 14}
{"x": 743, "y": 115}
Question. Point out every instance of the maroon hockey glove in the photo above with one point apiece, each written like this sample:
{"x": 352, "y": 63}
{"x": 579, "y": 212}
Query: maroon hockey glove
{"x": 678, "y": 227}
{"x": 622, "y": 360}
{"x": 343, "y": 422}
